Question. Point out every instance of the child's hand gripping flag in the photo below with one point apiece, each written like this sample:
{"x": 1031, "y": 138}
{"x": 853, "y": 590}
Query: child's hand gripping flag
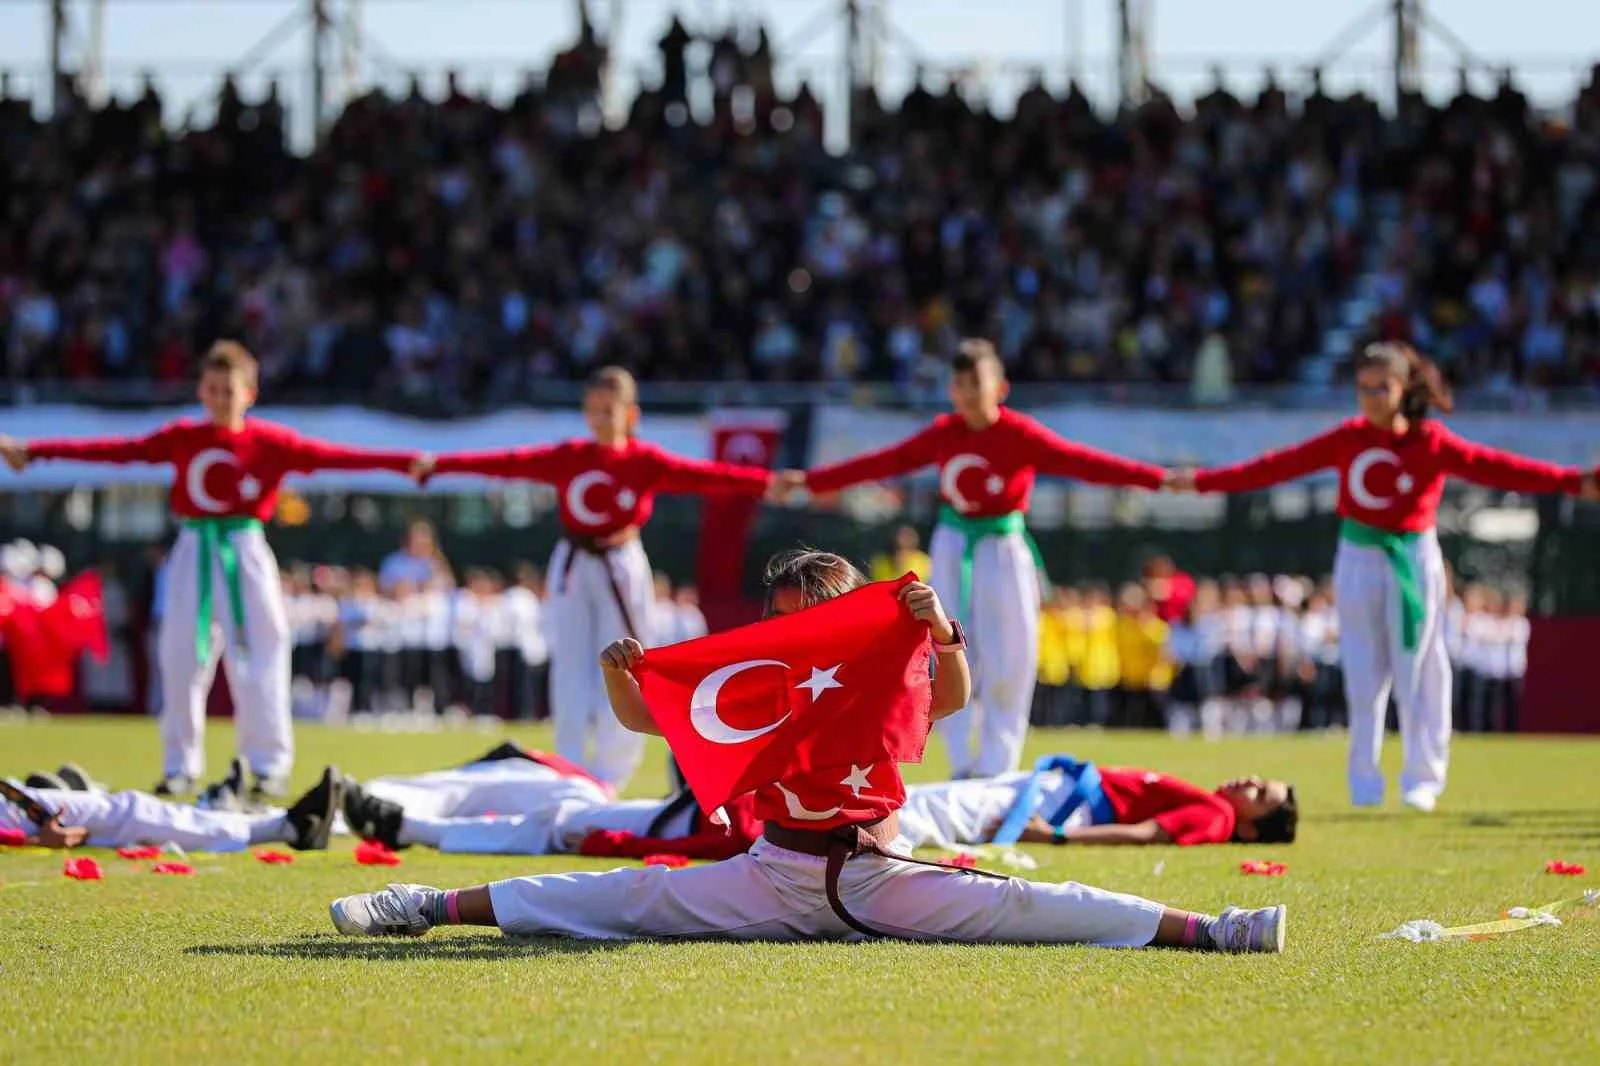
{"x": 843, "y": 682}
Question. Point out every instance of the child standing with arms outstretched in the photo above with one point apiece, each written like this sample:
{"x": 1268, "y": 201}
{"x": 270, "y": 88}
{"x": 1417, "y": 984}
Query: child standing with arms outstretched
{"x": 984, "y": 562}
{"x": 222, "y": 578}
{"x": 599, "y": 578}
{"x": 1389, "y": 577}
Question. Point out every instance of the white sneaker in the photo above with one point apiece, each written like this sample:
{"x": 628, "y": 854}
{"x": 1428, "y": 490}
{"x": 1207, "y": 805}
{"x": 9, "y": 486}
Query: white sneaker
{"x": 1254, "y": 930}
{"x": 1419, "y": 799}
{"x": 396, "y": 911}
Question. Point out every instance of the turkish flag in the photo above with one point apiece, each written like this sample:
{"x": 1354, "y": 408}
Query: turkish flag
{"x": 747, "y": 438}
{"x": 844, "y": 682}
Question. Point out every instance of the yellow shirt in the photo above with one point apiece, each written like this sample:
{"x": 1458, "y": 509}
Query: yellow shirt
{"x": 1099, "y": 667}
{"x": 889, "y": 567}
{"x": 1141, "y": 643}
{"x": 1055, "y": 652}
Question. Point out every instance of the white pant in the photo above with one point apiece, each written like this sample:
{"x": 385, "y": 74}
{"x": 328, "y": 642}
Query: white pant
{"x": 584, "y": 619}
{"x": 1002, "y": 626}
{"x": 954, "y": 813}
{"x": 258, "y": 666}
{"x": 1376, "y": 661}
{"x": 126, "y": 819}
{"x": 509, "y": 807}
{"x": 771, "y": 893}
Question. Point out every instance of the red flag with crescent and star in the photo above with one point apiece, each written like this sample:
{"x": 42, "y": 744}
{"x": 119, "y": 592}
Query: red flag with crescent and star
{"x": 44, "y": 643}
{"x": 841, "y": 684}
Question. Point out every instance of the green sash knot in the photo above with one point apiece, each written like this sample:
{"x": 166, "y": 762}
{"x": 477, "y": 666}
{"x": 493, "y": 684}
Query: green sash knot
{"x": 216, "y": 544}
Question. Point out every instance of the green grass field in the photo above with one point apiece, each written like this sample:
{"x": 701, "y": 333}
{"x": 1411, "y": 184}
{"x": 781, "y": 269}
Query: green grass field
{"x": 238, "y": 964}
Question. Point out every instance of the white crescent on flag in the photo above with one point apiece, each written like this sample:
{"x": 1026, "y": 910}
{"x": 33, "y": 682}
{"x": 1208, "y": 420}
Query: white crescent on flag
{"x": 703, "y": 714}
{"x": 577, "y": 488}
{"x": 952, "y": 473}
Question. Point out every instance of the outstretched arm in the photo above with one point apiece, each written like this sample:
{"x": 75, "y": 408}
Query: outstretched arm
{"x": 703, "y": 478}
{"x": 1496, "y": 469}
{"x": 152, "y": 448}
{"x": 306, "y": 454}
{"x": 1055, "y": 456}
{"x": 1039, "y": 831}
{"x": 913, "y": 453}
{"x": 1274, "y": 468}
{"x": 541, "y": 463}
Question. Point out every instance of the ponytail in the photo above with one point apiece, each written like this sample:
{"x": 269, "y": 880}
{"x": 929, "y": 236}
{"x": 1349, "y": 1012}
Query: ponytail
{"x": 1425, "y": 387}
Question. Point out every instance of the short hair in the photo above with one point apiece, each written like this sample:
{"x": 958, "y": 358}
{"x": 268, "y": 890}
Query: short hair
{"x": 972, "y": 352}
{"x": 614, "y": 379}
{"x": 818, "y": 576}
{"x": 1278, "y": 826}
{"x": 230, "y": 357}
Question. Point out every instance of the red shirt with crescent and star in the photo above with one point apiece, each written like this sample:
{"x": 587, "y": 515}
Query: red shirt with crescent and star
{"x": 989, "y": 472}
{"x": 606, "y": 490}
{"x": 1391, "y": 480}
{"x": 221, "y": 472}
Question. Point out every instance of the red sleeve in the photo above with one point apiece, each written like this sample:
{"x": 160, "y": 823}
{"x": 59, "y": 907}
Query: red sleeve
{"x": 913, "y": 453}
{"x": 543, "y": 463}
{"x": 153, "y": 448}
{"x": 1055, "y": 456}
{"x": 677, "y": 474}
{"x": 713, "y": 843}
{"x": 1496, "y": 469}
{"x": 1201, "y": 822}
{"x": 1274, "y": 468}
{"x": 306, "y": 454}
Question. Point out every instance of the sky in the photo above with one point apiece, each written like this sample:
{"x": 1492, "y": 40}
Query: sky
{"x": 190, "y": 42}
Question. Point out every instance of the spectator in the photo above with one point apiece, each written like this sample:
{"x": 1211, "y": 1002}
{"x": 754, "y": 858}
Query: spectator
{"x": 418, "y": 563}
{"x": 907, "y": 557}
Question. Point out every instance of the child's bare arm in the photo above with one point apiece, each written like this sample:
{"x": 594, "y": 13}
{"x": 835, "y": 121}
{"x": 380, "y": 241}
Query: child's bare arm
{"x": 622, "y": 688}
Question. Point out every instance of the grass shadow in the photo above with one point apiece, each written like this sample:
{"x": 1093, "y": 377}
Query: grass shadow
{"x": 490, "y": 948}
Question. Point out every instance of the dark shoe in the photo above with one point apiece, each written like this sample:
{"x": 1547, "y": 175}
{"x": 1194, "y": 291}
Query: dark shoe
{"x": 504, "y": 750}
{"x": 227, "y": 794}
{"x": 44, "y": 780}
{"x": 311, "y": 817}
{"x": 176, "y": 785}
{"x": 372, "y": 818}
{"x": 78, "y": 779}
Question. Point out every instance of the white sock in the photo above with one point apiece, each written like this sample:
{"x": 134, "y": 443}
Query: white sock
{"x": 273, "y": 829}
{"x": 418, "y": 830}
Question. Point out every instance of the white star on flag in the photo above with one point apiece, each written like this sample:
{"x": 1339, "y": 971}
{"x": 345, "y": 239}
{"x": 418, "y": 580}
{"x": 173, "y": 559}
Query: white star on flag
{"x": 820, "y": 681}
{"x": 249, "y": 488}
{"x": 994, "y": 484}
{"x": 626, "y": 499}
{"x": 857, "y": 780}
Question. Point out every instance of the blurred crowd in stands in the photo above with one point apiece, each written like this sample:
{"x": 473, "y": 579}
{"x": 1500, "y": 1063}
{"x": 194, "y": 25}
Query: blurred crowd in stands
{"x": 464, "y": 249}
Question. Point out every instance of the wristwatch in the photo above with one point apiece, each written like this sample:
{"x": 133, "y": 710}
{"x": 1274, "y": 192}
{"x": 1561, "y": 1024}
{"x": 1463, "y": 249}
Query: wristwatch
{"x": 1058, "y": 835}
{"x": 958, "y": 640}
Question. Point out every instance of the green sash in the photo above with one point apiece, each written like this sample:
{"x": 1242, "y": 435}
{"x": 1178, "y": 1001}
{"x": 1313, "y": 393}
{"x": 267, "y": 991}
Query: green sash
{"x": 216, "y": 543}
{"x": 1397, "y": 547}
{"x": 975, "y": 530}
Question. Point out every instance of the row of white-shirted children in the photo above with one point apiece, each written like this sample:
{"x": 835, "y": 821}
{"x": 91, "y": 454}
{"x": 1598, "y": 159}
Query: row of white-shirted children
{"x": 1257, "y": 654}
{"x": 363, "y": 644}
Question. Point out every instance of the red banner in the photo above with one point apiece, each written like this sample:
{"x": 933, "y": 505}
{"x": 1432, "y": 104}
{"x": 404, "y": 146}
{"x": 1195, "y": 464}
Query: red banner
{"x": 1556, "y": 692}
{"x": 749, "y": 438}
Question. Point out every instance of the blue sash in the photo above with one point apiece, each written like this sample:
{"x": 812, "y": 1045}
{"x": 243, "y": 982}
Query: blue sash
{"x": 1086, "y": 789}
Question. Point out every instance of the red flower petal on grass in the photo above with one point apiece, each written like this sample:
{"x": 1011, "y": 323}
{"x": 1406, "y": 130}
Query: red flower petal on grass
{"x": 372, "y": 853}
{"x": 672, "y": 862}
{"x": 138, "y": 853}
{"x": 12, "y": 838}
{"x": 961, "y": 861}
{"x": 82, "y": 869}
{"x": 1262, "y": 868}
{"x": 1565, "y": 869}
{"x": 269, "y": 855}
{"x": 182, "y": 869}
